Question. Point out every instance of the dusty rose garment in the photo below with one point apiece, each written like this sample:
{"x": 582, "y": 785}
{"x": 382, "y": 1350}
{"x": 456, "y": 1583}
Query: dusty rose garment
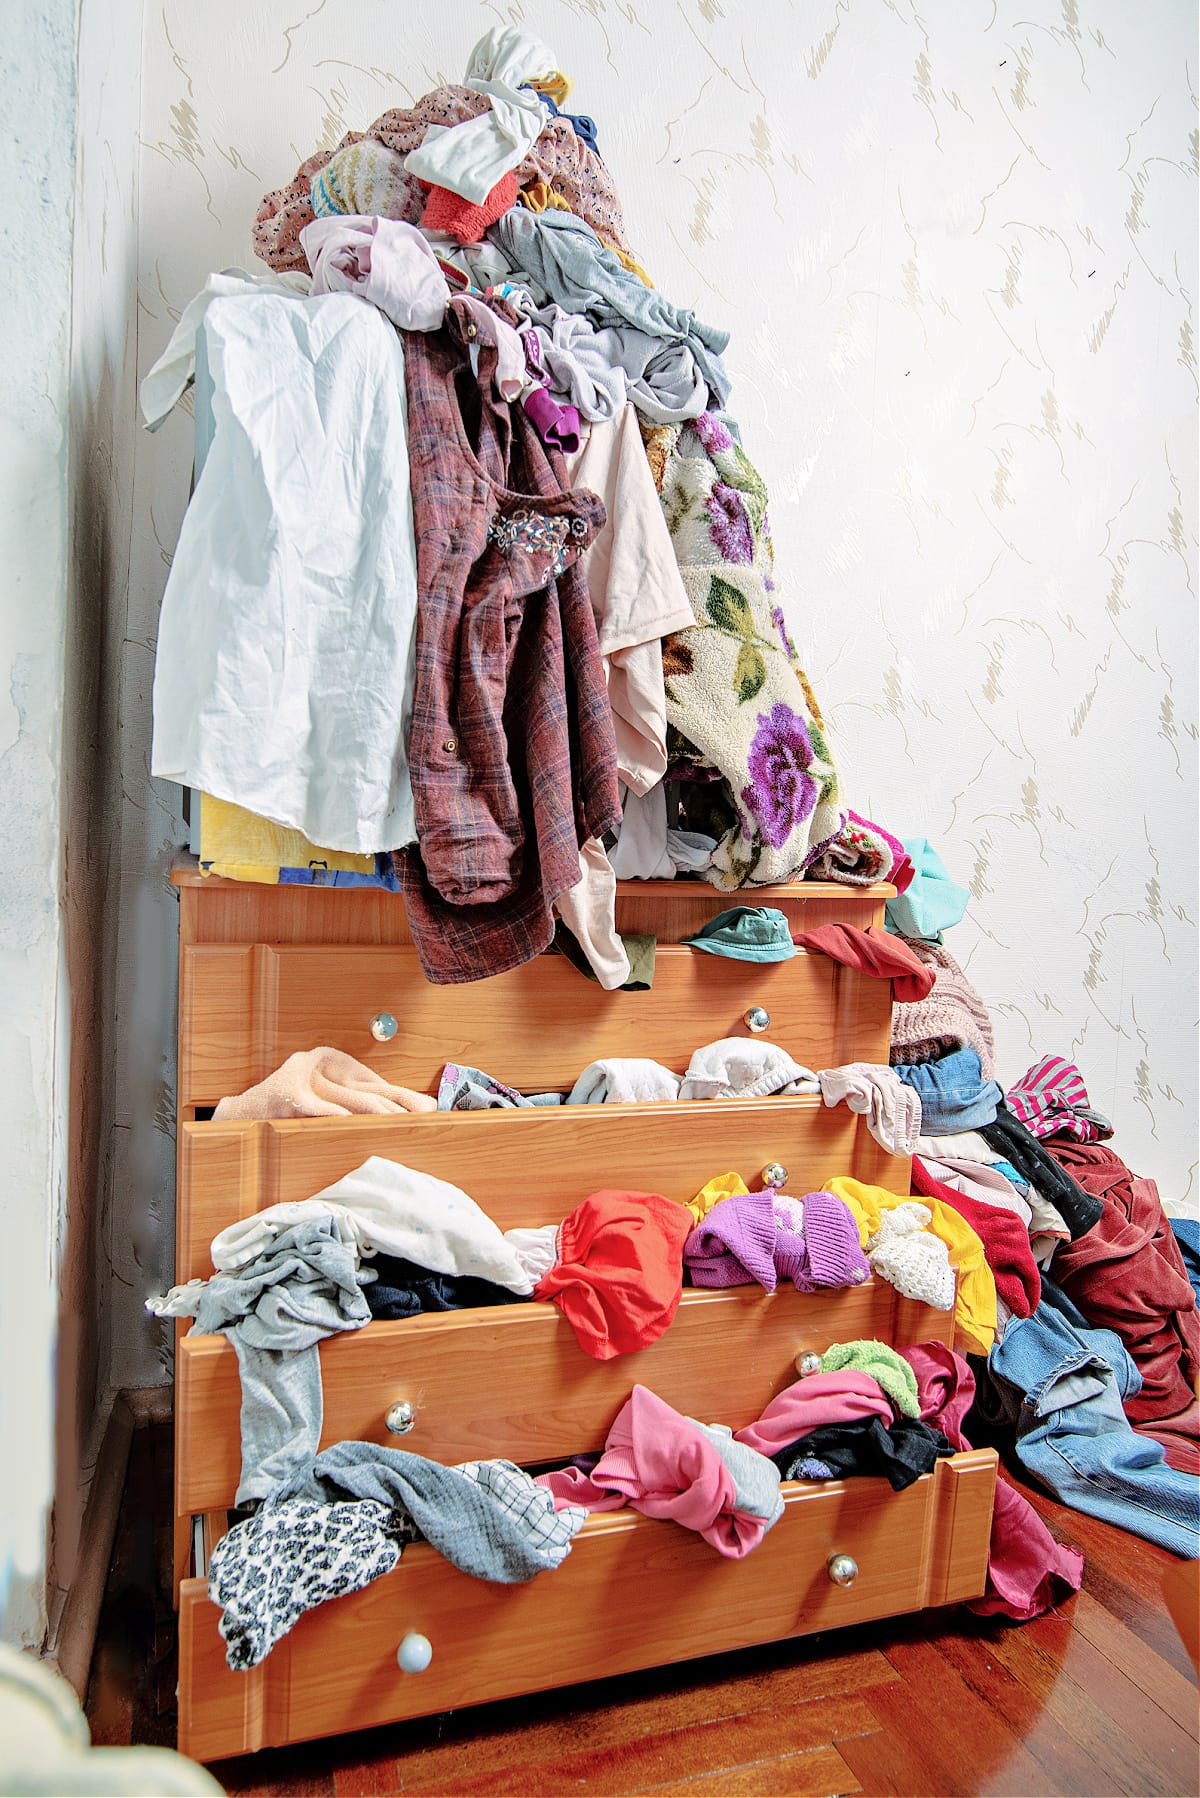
{"x": 559, "y": 157}
{"x": 807, "y": 1404}
{"x": 662, "y": 1465}
{"x": 1127, "y": 1275}
{"x": 1028, "y": 1571}
{"x": 318, "y": 1083}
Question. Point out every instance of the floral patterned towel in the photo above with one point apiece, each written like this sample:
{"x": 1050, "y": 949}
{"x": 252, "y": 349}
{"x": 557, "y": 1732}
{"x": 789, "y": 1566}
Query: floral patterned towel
{"x": 736, "y": 692}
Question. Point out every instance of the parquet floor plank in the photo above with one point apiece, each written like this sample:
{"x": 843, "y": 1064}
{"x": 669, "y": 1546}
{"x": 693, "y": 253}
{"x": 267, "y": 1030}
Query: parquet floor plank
{"x": 817, "y": 1773}
{"x": 940, "y": 1715}
{"x": 1161, "y": 1682}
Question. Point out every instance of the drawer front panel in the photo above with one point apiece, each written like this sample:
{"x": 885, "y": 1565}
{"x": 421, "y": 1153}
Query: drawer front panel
{"x": 523, "y": 1167}
{"x": 632, "y": 1593}
{"x": 514, "y": 1383}
{"x": 245, "y": 1008}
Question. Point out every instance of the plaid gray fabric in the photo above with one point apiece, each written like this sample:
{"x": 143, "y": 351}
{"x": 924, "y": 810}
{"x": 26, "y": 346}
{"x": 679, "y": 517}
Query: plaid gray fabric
{"x": 511, "y": 746}
{"x": 547, "y": 1533}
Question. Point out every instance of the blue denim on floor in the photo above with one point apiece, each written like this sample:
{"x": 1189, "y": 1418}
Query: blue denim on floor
{"x": 1187, "y": 1234}
{"x": 1061, "y": 1383}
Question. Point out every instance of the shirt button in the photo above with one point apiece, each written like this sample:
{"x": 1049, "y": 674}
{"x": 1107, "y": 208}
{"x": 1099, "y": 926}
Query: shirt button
{"x": 472, "y": 330}
{"x": 450, "y": 745}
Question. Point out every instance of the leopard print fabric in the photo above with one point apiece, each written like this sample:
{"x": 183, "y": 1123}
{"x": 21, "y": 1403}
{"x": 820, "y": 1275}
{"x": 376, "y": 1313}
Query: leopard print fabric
{"x": 291, "y": 1556}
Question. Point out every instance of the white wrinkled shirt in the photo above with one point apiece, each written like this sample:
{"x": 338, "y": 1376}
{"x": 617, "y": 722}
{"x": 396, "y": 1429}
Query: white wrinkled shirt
{"x": 284, "y": 672}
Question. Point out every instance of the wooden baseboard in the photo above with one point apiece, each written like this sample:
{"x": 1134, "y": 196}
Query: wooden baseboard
{"x": 75, "y": 1637}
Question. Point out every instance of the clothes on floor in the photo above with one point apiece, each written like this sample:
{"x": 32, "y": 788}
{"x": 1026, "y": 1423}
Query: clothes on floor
{"x": 1062, "y": 1385}
{"x": 511, "y": 745}
{"x": 951, "y": 1016}
{"x": 892, "y": 1109}
{"x": 618, "y": 1276}
{"x": 766, "y": 1237}
{"x": 384, "y": 1208}
{"x": 665, "y": 1465}
{"x": 1127, "y": 1275}
{"x": 984, "y": 1182}
{"x": 953, "y": 1092}
{"x": 365, "y": 179}
{"x": 271, "y": 554}
{"x": 872, "y": 951}
{"x": 300, "y": 1287}
{"x": 381, "y": 260}
{"x": 1186, "y": 1231}
{"x": 465, "y": 220}
{"x": 1007, "y": 1135}
{"x": 175, "y": 370}
{"x": 1028, "y": 1571}
{"x": 321, "y": 1083}
{"x": 1050, "y": 1099}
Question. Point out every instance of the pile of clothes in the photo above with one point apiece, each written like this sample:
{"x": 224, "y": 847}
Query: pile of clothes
{"x": 475, "y": 597}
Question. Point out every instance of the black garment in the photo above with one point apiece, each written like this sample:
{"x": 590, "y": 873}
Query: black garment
{"x": 1080, "y": 1212}
{"x": 901, "y": 1453}
{"x": 402, "y": 1289}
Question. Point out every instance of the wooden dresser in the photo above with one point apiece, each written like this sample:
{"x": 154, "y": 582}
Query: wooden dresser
{"x": 265, "y": 971}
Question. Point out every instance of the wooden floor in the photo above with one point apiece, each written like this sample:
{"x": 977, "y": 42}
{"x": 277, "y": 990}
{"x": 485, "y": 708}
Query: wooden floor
{"x": 1099, "y": 1698}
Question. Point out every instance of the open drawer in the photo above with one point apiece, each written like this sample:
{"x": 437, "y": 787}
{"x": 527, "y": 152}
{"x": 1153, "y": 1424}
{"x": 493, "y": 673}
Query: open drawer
{"x": 513, "y": 1382}
{"x": 523, "y": 1168}
{"x": 338, "y": 1670}
{"x": 244, "y": 1008}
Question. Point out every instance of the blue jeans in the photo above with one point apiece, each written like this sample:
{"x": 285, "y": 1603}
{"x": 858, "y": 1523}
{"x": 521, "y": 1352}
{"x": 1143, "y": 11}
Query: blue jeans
{"x": 1061, "y": 1384}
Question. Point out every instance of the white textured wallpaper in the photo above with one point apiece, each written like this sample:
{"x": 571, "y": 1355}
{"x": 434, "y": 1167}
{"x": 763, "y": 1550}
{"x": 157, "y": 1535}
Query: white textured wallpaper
{"x": 956, "y": 248}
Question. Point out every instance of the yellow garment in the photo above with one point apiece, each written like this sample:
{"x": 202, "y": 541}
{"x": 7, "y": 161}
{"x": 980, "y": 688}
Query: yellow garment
{"x": 242, "y": 846}
{"x": 721, "y": 1186}
{"x": 975, "y": 1295}
{"x": 539, "y": 196}
{"x": 556, "y": 84}
{"x": 626, "y": 260}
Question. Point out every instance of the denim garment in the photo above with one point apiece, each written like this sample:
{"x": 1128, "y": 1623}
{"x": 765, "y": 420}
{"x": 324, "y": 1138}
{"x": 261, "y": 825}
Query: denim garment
{"x": 1062, "y": 1383}
{"x": 954, "y": 1094}
{"x": 1186, "y": 1232}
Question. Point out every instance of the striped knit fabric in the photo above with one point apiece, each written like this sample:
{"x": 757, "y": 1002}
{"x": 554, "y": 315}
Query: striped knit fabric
{"x": 1050, "y": 1099}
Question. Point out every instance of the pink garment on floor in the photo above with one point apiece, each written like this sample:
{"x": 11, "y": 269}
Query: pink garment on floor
{"x": 808, "y": 1403}
{"x": 317, "y": 1083}
{"x": 1028, "y": 1571}
{"x": 662, "y": 1465}
{"x": 381, "y": 260}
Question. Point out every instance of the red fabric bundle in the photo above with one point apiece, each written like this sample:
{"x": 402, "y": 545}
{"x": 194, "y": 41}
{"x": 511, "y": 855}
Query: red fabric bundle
{"x": 449, "y": 212}
{"x": 619, "y": 1274}
{"x": 873, "y": 951}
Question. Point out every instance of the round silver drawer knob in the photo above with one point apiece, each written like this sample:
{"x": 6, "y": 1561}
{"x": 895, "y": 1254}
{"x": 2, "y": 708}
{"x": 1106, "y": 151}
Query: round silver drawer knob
{"x": 414, "y": 1653}
{"x": 400, "y": 1418}
{"x": 808, "y": 1362}
{"x": 774, "y": 1174}
{"x": 843, "y": 1570}
{"x": 757, "y": 1019}
{"x": 383, "y": 1027}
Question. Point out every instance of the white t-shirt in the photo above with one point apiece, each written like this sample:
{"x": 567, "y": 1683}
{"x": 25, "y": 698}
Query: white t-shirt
{"x": 284, "y": 672}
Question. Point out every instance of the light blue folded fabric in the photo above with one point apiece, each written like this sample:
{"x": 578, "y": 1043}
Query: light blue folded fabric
{"x": 932, "y": 902}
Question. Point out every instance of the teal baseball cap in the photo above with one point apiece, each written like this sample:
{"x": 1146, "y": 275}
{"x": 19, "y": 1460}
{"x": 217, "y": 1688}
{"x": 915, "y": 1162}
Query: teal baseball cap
{"x": 746, "y": 933}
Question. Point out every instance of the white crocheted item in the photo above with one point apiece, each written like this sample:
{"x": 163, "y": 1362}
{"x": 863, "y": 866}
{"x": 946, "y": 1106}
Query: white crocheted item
{"x": 903, "y": 1253}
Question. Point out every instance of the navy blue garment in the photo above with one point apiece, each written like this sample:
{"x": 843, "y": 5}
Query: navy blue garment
{"x": 402, "y": 1289}
{"x": 901, "y": 1451}
{"x": 578, "y": 121}
{"x": 1061, "y": 1383}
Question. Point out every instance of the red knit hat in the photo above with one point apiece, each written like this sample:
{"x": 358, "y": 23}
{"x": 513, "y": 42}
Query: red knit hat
{"x": 619, "y": 1272}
